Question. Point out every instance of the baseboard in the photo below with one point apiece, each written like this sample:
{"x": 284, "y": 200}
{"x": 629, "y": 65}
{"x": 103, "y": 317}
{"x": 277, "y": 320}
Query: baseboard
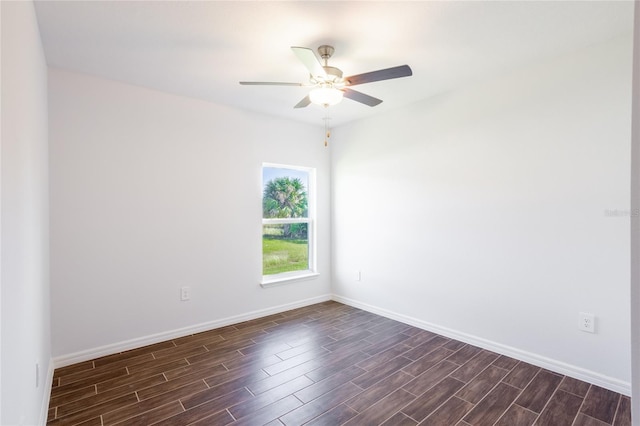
{"x": 610, "y": 383}
{"x": 118, "y": 347}
{"x": 46, "y": 394}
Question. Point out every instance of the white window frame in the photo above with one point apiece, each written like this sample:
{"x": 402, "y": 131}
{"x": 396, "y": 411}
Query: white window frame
{"x": 311, "y": 272}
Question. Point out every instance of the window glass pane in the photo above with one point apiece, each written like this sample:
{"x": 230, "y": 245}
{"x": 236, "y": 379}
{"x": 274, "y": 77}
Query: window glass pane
{"x": 285, "y": 248}
{"x": 285, "y": 193}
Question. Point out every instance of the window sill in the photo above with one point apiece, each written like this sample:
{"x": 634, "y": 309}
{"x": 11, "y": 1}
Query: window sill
{"x": 286, "y": 278}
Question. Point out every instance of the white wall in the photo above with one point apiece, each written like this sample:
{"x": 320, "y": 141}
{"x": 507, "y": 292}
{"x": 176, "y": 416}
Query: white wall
{"x": 481, "y": 213}
{"x": 25, "y": 219}
{"x": 150, "y": 192}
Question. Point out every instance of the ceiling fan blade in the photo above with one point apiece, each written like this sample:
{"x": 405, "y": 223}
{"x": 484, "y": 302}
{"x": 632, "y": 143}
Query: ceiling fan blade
{"x": 304, "y": 102}
{"x": 361, "y": 97}
{"x": 386, "y": 74}
{"x": 268, "y": 83}
{"x": 310, "y": 60}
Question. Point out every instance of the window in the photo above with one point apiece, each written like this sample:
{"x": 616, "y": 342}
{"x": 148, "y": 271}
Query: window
{"x": 288, "y": 246}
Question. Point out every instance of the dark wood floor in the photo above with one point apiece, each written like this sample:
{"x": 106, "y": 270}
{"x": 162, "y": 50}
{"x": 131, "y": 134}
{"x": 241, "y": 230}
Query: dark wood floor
{"x": 326, "y": 364}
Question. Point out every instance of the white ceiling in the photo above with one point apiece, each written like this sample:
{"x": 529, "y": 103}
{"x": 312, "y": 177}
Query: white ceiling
{"x": 202, "y": 49}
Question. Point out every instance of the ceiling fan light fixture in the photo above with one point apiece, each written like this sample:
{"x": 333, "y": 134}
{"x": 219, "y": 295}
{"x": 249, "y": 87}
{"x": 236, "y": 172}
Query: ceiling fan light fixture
{"x": 325, "y": 96}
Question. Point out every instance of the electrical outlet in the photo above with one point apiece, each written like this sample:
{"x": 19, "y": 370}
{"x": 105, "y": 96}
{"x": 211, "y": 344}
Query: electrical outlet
{"x": 587, "y": 322}
{"x": 358, "y": 276}
{"x": 185, "y": 293}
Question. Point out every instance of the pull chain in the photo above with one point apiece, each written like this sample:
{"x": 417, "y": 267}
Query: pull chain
{"x": 327, "y": 131}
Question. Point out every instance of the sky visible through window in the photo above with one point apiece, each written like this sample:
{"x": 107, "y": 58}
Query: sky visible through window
{"x": 270, "y": 173}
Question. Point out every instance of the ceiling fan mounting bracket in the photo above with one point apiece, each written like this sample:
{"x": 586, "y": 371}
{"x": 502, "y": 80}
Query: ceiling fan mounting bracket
{"x": 325, "y": 51}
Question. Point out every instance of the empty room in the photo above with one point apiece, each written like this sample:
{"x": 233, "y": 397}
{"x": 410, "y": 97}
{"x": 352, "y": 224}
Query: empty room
{"x": 320, "y": 212}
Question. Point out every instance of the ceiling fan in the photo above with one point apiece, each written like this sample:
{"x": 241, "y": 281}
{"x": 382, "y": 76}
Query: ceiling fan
{"x": 328, "y": 84}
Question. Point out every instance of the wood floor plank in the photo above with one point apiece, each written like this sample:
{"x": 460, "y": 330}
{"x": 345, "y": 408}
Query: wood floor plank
{"x": 521, "y": 375}
{"x": 220, "y": 418}
{"x": 298, "y": 349}
{"x": 561, "y": 410}
{"x": 390, "y": 329}
{"x": 600, "y": 403}
{"x": 231, "y": 381}
{"x": 623, "y": 414}
{"x": 400, "y": 419}
{"x": 384, "y": 356}
{"x": 448, "y": 413}
{"x": 131, "y": 380}
{"x": 73, "y": 368}
{"x": 419, "y": 338}
{"x": 383, "y": 409}
{"x": 96, "y": 410}
{"x": 474, "y": 366}
{"x": 477, "y": 388}
{"x": 426, "y": 347}
{"x": 320, "y": 405}
{"x": 72, "y": 396}
{"x": 270, "y": 412}
{"x": 378, "y": 391}
{"x": 178, "y": 352}
{"x": 74, "y": 382}
{"x": 264, "y": 399}
{"x": 517, "y": 416}
{"x": 428, "y": 402}
{"x": 141, "y": 407}
{"x": 281, "y": 366}
{"x": 360, "y": 335}
{"x": 464, "y": 354}
{"x": 202, "y": 367}
{"x": 505, "y": 362}
{"x": 574, "y": 386}
{"x": 125, "y": 361}
{"x": 177, "y": 382}
{"x": 254, "y": 361}
{"x": 336, "y": 416}
{"x": 233, "y": 396}
{"x": 314, "y": 390}
{"x": 427, "y": 361}
{"x": 154, "y": 415}
{"x": 454, "y": 345}
{"x": 335, "y": 363}
{"x": 217, "y": 355}
{"x": 80, "y": 404}
{"x": 205, "y": 410}
{"x": 537, "y": 393}
{"x": 350, "y": 332}
{"x": 95, "y": 421}
{"x": 584, "y": 420}
{"x": 280, "y": 378}
{"x": 133, "y": 353}
{"x": 156, "y": 366}
{"x": 490, "y": 409}
{"x": 430, "y": 378}
{"x": 314, "y": 337}
{"x": 269, "y": 348}
{"x": 385, "y": 344}
{"x": 371, "y": 377}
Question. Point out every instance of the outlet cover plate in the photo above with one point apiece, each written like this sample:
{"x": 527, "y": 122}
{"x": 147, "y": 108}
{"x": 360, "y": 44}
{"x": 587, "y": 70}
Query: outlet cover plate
{"x": 185, "y": 293}
{"x": 587, "y": 322}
